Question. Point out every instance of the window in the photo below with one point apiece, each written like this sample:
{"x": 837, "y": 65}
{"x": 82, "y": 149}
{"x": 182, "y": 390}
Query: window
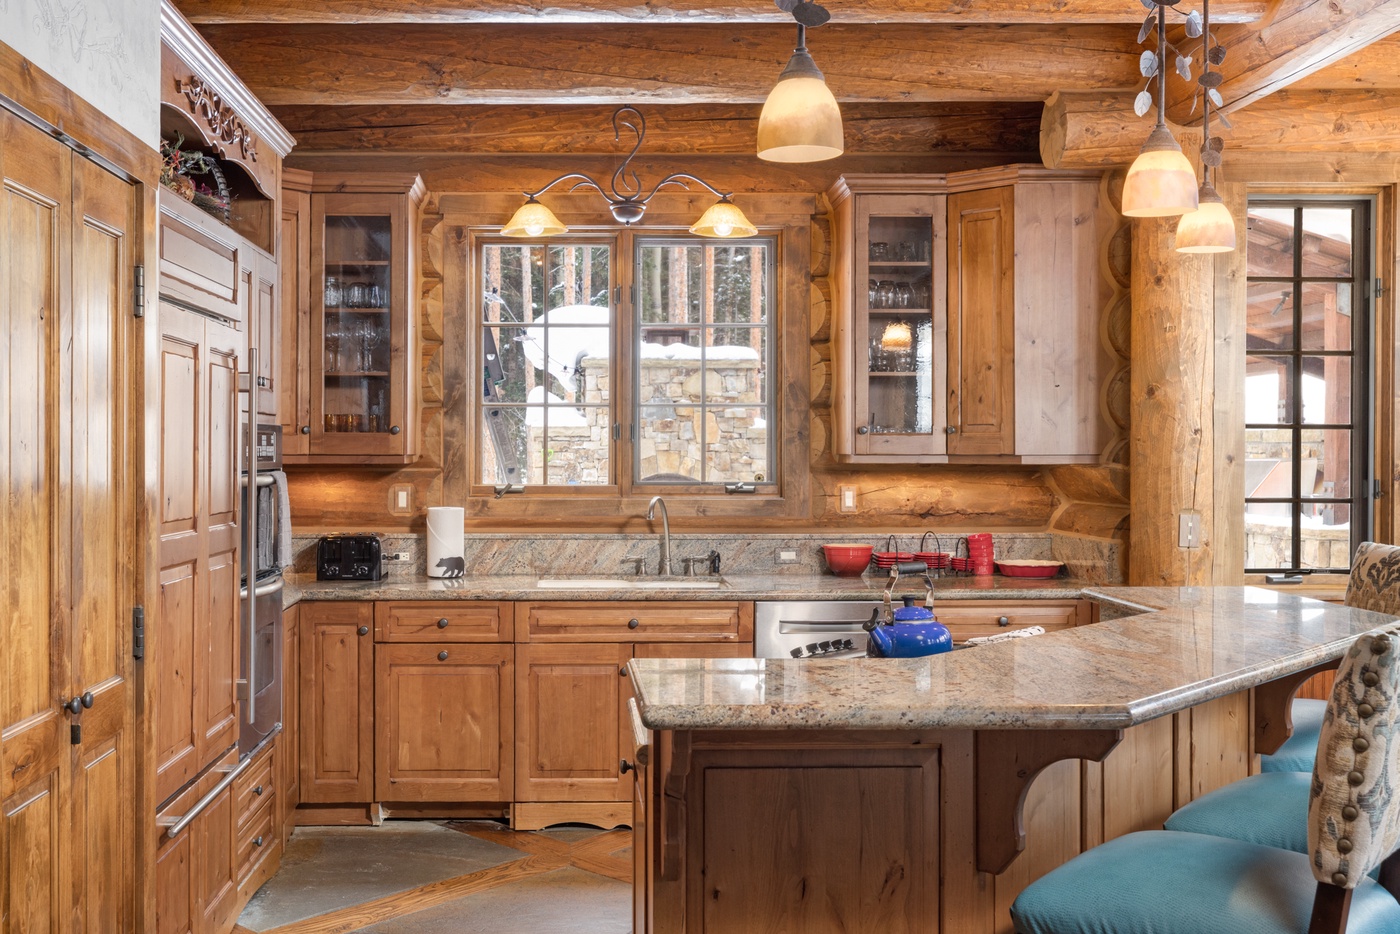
{"x": 691, "y": 364}
{"x": 1307, "y": 440}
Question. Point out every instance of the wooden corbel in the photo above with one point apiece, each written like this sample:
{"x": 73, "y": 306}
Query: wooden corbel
{"x": 1273, "y": 707}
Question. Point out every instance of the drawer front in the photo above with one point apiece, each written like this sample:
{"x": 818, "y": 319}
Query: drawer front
{"x": 254, "y": 787}
{"x": 969, "y": 620}
{"x": 255, "y": 839}
{"x": 635, "y": 622}
{"x": 443, "y": 621}
{"x": 196, "y": 265}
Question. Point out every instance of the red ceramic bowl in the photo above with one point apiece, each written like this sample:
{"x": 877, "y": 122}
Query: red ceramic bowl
{"x": 1029, "y": 568}
{"x": 847, "y": 560}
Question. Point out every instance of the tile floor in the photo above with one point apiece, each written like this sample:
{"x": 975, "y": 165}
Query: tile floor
{"x": 447, "y": 877}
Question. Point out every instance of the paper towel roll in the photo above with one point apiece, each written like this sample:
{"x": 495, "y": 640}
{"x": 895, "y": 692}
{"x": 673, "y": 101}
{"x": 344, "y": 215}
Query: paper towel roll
{"x": 446, "y": 531}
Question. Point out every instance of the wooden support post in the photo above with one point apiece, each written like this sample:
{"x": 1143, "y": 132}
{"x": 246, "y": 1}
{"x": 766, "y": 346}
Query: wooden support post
{"x": 1171, "y": 435}
{"x": 1273, "y": 707}
{"x": 1007, "y": 761}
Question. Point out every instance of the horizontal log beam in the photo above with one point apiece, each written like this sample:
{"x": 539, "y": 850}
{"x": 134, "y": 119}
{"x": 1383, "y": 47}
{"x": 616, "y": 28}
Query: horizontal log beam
{"x": 1300, "y": 38}
{"x": 1370, "y": 68}
{"x": 590, "y": 64}
{"x": 1099, "y": 131}
{"x": 686, "y": 11}
{"x": 688, "y": 128}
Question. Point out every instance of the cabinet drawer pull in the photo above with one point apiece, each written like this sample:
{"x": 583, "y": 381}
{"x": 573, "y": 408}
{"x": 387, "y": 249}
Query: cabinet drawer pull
{"x": 442, "y": 623}
{"x": 363, "y": 630}
{"x": 306, "y": 429}
{"x": 622, "y": 672}
{"x": 1003, "y": 621}
{"x": 626, "y": 767}
{"x": 442, "y": 656}
{"x": 394, "y": 429}
{"x": 258, "y": 840}
{"x": 633, "y": 623}
{"x": 863, "y": 430}
{"x": 258, "y": 790}
{"x": 950, "y": 430}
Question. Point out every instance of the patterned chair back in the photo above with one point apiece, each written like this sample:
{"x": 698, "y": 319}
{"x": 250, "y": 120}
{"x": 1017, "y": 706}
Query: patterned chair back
{"x": 1375, "y": 579}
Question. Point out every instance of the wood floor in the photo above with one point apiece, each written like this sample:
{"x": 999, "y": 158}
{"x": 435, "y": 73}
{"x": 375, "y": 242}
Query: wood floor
{"x": 428, "y": 877}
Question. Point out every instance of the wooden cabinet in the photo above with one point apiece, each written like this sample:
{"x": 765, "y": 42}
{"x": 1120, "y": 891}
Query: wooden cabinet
{"x": 294, "y": 360}
{"x": 195, "y": 871}
{"x": 358, "y": 392}
{"x": 973, "y": 618}
{"x": 73, "y": 495}
{"x": 337, "y": 702}
{"x": 257, "y": 841}
{"x": 444, "y": 722}
{"x": 289, "y": 741}
{"x": 443, "y": 621}
{"x": 1004, "y": 363}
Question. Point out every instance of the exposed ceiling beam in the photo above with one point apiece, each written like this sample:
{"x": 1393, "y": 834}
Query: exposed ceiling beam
{"x": 689, "y": 128}
{"x": 1299, "y": 38}
{"x": 591, "y": 64}
{"x": 686, "y": 11}
{"x": 1093, "y": 130}
{"x": 1371, "y": 67}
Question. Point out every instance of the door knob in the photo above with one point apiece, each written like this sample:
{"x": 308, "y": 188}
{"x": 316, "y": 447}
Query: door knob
{"x": 74, "y": 706}
{"x": 633, "y": 623}
{"x": 306, "y": 429}
{"x": 626, "y": 767}
{"x": 87, "y": 699}
{"x": 442, "y": 656}
{"x": 1003, "y": 621}
{"x": 863, "y": 430}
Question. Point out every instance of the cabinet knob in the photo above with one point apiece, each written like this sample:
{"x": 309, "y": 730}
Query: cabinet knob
{"x": 86, "y": 699}
{"x": 258, "y": 791}
{"x": 258, "y": 840}
{"x": 626, "y": 767}
{"x": 306, "y": 429}
{"x": 442, "y": 656}
{"x": 394, "y": 429}
{"x": 951, "y": 430}
{"x": 622, "y": 672}
{"x": 73, "y": 706}
{"x": 863, "y": 430}
{"x": 442, "y": 623}
{"x": 1003, "y": 621}
{"x": 363, "y": 630}
{"x": 633, "y": 623}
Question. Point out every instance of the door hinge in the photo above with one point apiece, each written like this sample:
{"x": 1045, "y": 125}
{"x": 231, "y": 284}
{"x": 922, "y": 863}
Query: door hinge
{"x": 617, "y": 431}
{"x": 1380, "y": 287}
{"x": 139, "y": 278}
{"x": 617, "y": 295}
{"x": 632, "y": 432}
{"x": 138, "y": 632}
{"x": 1377, "y": 491}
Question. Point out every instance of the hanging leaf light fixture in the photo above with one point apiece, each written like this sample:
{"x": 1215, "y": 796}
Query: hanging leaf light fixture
{"x": 1211, "y": 229}
{"x": 1161, "y": 182}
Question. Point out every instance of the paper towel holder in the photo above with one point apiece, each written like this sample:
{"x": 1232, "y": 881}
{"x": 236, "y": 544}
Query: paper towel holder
{"x": 446, "y": 530}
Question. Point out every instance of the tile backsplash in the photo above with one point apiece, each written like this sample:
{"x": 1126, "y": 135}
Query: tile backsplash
{"x": 558, "y": 554}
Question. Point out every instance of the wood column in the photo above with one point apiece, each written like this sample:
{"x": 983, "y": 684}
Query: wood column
{"x": 1171, "y": 432}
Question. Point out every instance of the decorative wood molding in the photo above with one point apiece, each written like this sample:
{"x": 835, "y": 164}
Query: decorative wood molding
{"x": 1007, "y": 762}
{"x": 686, "y": 11}
{"x": 1273, "y": 708}
{"x": 222, "y": 119}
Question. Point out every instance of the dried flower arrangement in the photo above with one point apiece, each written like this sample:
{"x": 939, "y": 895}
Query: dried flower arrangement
{"x": 179, "y": 164}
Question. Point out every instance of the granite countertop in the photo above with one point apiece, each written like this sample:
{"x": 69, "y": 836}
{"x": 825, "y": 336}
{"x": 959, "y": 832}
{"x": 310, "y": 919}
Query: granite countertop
{"x": 738, "y": 587}
{"x": 1184, "y": 647}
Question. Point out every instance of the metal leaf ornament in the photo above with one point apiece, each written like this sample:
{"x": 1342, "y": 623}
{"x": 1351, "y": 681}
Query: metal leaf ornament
{"x": 1147, "y": 26}
{"x": 1147, "y": 64}
{"x": 1142, "y": 103}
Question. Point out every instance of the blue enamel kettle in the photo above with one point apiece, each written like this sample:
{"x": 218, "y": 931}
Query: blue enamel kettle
{"x": 910, "y": 631}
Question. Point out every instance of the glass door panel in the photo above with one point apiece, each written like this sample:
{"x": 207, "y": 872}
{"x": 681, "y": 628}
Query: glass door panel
{"x": 357, "y": 300}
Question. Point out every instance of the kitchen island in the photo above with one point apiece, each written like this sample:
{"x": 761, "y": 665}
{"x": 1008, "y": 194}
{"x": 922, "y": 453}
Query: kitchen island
{"x": 922, "y": 795}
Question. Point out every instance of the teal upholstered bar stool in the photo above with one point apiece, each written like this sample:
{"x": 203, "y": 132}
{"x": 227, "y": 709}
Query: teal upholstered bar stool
{"x": 1164, "y": 882}
{"x": 1267, "y": 808}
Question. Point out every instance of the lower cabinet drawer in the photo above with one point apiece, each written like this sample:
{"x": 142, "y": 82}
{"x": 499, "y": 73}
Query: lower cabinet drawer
{"x": 443, "y": 621}
{"x": 971, "y": 620}
{"x": 256, "y": 838}
{"x": 670, "y": 621}
{"x": 254, "y": 787}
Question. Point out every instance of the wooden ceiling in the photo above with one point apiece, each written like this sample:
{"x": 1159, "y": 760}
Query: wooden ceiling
{"x": 920, "y": 81}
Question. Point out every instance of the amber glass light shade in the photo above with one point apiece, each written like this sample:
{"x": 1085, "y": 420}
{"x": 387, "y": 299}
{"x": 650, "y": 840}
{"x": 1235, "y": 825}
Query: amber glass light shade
{"x": 898, "y": 336}
{"x": 533, "y": 220}
{"x": 1161, "y": 182}
{"x": 801, "y": 121}
{"x": 724, "y": 221}
{"x": 1209, "y": 229}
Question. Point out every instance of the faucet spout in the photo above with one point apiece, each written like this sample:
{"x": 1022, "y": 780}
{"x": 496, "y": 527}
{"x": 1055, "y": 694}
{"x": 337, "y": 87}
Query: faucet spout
{"x": 663, "y": 567}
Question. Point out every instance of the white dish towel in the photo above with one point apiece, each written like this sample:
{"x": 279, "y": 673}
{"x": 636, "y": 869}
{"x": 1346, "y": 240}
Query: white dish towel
{"x": 284, "y": 520}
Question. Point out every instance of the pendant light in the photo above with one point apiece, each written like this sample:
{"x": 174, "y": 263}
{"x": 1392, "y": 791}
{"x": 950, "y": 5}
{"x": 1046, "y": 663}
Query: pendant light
{"x": 533, "y": 219}
{"x": 1161, "y": 182}
{"x": 1212, "y": 228}
{"x": 801, "y": 121}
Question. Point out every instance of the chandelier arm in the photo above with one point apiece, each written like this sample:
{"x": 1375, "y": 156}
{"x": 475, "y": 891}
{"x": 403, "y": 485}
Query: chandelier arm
{"x": 584, "y": 183}
{"x": 679, "y": 179}
{"x": 620, "y": 189}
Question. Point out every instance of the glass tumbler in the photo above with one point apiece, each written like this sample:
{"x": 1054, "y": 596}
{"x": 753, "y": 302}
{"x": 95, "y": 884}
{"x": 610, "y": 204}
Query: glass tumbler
{"x": 880, "y": 251}
{"x": 358, "y": 295}
{"x": 334, "y": 295}
{"x": 906, "y": 251}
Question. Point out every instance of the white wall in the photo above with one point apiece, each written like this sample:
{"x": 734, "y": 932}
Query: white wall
{"x": 107, "y": 51}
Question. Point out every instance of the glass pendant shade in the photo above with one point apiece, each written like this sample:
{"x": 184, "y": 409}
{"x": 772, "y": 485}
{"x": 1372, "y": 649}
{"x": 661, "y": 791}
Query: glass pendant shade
{"x": 533, "y": 220}
{"x": 1161, "y": 182}
{"x": 722, "y": 221}
{"x": 898, "y": 336}
{"x": 1209, "y": 229}
{"x": 801, "y": 121}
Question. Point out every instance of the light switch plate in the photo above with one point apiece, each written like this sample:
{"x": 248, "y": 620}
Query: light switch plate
{"x": 847, "y": 501}
{"x": 1189, "y": 530}
{"x": 401, "y": 499}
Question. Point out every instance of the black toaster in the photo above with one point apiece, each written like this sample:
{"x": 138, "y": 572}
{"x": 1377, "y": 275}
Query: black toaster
{"x": 355, "y": 557}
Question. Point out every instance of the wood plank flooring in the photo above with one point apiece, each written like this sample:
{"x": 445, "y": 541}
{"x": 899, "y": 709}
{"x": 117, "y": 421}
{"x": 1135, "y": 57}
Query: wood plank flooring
{"x": 424, "y": 877}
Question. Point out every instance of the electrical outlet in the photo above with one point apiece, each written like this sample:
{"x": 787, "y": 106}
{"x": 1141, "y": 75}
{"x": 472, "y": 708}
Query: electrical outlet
{"x": 401, "y": 499}
{"x": 1189, "y": 530}
{"x": 848, "y": 499}
{"x": 787, "y": 556}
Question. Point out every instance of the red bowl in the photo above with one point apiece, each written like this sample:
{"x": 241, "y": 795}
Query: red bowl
{"x": 847, "y": 560}
{"x": 1029, "y": 568}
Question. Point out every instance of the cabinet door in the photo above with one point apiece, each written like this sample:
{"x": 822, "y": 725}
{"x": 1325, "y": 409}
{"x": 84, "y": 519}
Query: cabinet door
{"x": 898, "y": 327}
{"x": 265, "y": 334}
{"x": 294, "y": 324}
{"x": 571, "y": 707}
{"x": 289, "y": 743}
{"x": 981, "y": 322}
{"x": 337, "y": 703}
{"x": 444, "y": 722}
{"x": 363, "y": 353}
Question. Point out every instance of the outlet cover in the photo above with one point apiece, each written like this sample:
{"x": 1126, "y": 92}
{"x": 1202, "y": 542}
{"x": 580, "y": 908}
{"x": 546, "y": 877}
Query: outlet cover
{"x": 787, "y": 556}
{"x": 1189, "y": 530}
{"x": 401, "y": 499}
{"x": 847, "y": 501}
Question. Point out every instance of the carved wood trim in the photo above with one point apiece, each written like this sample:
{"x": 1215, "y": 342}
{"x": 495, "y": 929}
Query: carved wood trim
{"x": 1273, "y": 707}
{"x": 1007, "y": 761}
{"x": 226, "y": 125}
{"x": 671, "y": 776}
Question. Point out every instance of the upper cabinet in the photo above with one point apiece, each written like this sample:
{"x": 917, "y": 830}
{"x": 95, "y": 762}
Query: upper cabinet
{"x": 966, "y": 320}
{"x": 355, "y": 394}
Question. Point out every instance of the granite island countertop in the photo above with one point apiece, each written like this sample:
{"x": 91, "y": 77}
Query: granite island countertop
{"x": 1183, "y": 647}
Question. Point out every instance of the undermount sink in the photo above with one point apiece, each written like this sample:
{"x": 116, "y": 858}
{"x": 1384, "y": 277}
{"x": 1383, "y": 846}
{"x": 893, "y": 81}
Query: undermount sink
{"x": 630, "y": 583}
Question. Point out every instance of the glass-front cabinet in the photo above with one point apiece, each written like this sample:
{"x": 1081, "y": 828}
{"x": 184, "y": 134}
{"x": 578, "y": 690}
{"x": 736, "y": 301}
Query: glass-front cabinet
{"x": 892, "y": 348}
{"x": 362, "y": 359}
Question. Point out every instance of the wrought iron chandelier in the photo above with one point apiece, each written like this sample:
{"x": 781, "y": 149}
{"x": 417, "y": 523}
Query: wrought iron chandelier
{"x": 723, "y": 219}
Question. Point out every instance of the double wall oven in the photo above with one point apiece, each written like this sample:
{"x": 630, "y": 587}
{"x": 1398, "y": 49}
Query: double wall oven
{"x": 260, "y": 595}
